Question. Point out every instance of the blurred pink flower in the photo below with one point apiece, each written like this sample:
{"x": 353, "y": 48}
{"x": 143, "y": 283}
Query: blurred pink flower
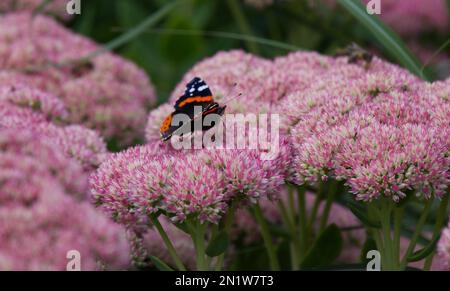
{"x": 40, "y": 219}
{"x": 66, "y": 171}
{"x": 55, "y": 7}
{"x": 443, "y": 251}
{"x": 24, "y": 108}
{"x": 410, "y": 17}
{"x": 107, "y": 93}
{"x": 48, "y": 105}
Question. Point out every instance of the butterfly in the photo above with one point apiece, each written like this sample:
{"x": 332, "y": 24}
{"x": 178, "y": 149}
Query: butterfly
{"x": 197, "y": 93}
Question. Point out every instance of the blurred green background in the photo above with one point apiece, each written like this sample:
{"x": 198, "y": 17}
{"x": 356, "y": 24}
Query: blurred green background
{"x": 189, "y": 33}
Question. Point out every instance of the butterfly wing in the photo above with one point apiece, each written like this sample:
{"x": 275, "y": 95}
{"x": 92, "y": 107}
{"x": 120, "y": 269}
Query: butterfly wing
{"x": 197, "y": 93}
{"x": 167, "y": 129}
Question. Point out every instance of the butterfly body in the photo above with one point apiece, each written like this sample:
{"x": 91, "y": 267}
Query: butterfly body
{"x": 197, "y": 93}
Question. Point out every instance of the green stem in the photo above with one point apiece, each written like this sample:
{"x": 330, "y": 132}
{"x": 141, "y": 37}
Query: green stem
{"x": 385, "y": 218}
{"x": 302, "y": 221}
{"x": 440, "y": 220}
{"x": 378, "y": 240}
{"x": 374, "y": 213}
{"x": 274, "y": 264}
{"x": 199, "y": 242}
{"x": 168, "y": 243}
{"x": 293, "y": 244}
{"x": 398, "y": 217}
{"x": 328, "y": 204}
{"x": 239, "y": 16}
{"x": 315, "y": 209}
{"x": 292, "y": 211}
{"x": 227, "y": 226}
{"x": 214, "y": 232}
{"x": 219, "y": 263}
{"x": 417, "y": 233}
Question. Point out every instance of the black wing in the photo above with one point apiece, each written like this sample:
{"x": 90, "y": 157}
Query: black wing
{"x": 197, "y": 93}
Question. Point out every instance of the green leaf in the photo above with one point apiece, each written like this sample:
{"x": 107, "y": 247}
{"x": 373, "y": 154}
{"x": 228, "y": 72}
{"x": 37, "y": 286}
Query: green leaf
{"x": 369, "y": 245}
{"x": 227, "y": 35}
{"x": 160, "y": 265}
{"x": 278, "y": 231}
{"x": 362, "y": 216}
{"x": 183, "y": 227}
{"x": 425, "y": 252}
{"x": 448, "y": 6}
{"x": 218, "y": 245}
{"x": 135, "y": 31}
{"x": 386, "y": 36}
{"x": 325, "y": 249}
{"x": 242, "y": 23}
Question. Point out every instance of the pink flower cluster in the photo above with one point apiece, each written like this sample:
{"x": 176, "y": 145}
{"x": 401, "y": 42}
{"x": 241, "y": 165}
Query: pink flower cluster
{"x": 44, "y": 207}
{"x": 382, "y": 130}
{"x": 24, "y": 108}
{"x": 409, "y": 17}
{"x": 412, "y": 17}
{"x": 443, "y": 251}
{"x": 135, "y": 183}
{"x": 55, "y": 7}
{"x": 244, "y": 82}
{"x": 40, "y": 217}
{"x": 106, "y": 93}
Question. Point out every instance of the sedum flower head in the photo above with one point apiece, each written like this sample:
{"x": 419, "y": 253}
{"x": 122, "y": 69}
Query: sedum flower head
{"x": 106, "y": 93}
{"x": 40, "y": 219}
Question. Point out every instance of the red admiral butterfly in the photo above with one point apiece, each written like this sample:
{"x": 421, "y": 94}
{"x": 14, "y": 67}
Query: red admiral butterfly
{"x": 197, "y": 93}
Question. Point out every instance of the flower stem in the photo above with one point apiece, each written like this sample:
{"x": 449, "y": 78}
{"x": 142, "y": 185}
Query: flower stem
{"x": 328, "y": 204}
{"x": 227, "y": 226}
{"x": 386, "y": 210}
{"x": 302, "y": 221}
{"x": 289, "y": 222}
{"x": 440, "y": 220}
{"x": 374, "y": 213}
{"x": 291, "y": 210}
{"x": 168, "y": 243}
{"x": 315, "y": 209}
{"x": 398, "y": 217}
{"x": 274, "y": 264}
{"x": 200, "y": 246}
{"x": 417, "y": 232}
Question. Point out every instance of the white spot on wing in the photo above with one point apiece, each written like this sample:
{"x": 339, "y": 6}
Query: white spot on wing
{"x": 201, "y": 88}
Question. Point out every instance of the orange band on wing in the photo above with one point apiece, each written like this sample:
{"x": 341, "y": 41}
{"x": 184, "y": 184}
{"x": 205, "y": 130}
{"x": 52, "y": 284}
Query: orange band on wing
{"x": 195, "y": 99}
{"x": 166, "y": 123}
{"x": 210, "y": 111}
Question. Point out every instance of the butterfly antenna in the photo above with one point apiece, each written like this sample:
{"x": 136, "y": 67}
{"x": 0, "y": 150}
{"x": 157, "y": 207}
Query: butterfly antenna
{"x": 232, "y": 98}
